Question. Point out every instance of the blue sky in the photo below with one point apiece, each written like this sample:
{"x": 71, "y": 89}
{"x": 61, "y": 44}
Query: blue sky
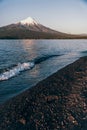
{"x": 63, "y": 15}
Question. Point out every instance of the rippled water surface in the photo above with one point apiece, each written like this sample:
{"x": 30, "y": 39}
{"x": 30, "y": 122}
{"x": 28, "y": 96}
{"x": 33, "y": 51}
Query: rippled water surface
{"x": 23, "y": 63}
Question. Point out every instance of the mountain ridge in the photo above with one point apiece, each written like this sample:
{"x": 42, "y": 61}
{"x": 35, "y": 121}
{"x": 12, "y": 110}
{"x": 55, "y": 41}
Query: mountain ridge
{"x": 31, "y": 29}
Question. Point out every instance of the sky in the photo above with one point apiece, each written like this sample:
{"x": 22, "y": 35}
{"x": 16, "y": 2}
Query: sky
{"x": 68, "y": 16}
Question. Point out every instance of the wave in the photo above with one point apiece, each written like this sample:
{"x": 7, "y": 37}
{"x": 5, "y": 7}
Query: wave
{"x": 15, "y": 70}
{"x": 45, "y": 57}
{"x": 84, "y": 52}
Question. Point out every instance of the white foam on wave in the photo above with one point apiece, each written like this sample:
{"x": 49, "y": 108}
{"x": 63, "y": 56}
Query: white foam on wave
{"x": 16, "y": 70}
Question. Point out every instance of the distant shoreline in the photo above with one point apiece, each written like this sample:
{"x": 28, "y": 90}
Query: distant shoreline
{"x": 58, "y": 102}
{"x": 83, "y": 38}
{"x": 65, "y": 38}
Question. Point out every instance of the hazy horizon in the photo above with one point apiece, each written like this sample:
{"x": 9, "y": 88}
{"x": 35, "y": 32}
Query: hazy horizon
{"x": 66, "y": 16}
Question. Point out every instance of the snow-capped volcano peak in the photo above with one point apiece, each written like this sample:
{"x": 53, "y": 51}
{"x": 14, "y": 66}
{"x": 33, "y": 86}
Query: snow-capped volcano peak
{"x": 32, "y": 25}
{"x": 28, "y": 21}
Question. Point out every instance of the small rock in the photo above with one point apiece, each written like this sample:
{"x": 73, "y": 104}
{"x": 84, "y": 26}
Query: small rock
{"x": 23, "y": 121}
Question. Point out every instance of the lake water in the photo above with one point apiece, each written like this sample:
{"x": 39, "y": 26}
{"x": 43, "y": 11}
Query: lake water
{"x": 23, "y": 63}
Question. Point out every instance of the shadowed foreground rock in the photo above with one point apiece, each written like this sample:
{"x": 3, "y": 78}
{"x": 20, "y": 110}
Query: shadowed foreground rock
{"x": 56, "y": 103}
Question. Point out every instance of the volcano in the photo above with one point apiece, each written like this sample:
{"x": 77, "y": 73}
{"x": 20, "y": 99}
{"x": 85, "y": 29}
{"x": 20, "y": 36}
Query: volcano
{"x": 29, "y": 28}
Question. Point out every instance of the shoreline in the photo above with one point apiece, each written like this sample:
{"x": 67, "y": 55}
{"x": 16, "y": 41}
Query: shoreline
{"x": 83, "y": 38}
{"x": 57, "y": 102}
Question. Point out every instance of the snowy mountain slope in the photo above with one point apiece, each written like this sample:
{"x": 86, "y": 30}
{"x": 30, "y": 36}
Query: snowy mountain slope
{"x": 29, "y": 21}
{"x": 33, "y": 25}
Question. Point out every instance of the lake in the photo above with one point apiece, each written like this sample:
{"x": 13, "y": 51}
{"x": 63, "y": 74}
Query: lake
{"x": 23, "y": 63}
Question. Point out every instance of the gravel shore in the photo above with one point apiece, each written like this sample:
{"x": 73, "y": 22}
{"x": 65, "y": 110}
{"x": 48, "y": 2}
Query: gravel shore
{"x": 57, "y": 103}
